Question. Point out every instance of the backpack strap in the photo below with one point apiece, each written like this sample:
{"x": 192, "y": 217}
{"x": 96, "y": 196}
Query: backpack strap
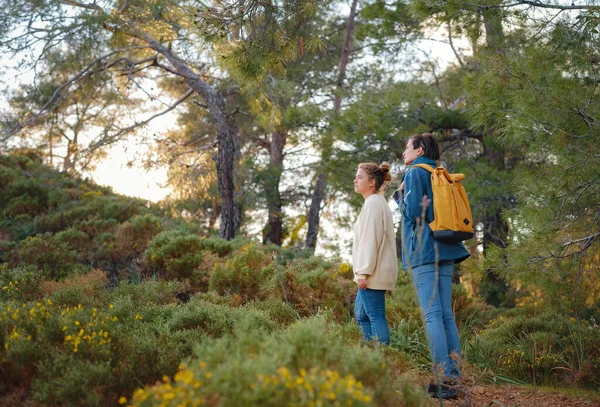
{"x": 424, "y": 166}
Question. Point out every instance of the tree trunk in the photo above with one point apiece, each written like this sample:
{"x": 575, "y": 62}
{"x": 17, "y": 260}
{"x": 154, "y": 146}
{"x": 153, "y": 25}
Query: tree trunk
{"x": 345, "y": 58}
{"x": 318, "y": 195}
{"x": 314, "y": 214}
{"x": 274, "y": 227}
{"x": 227, "y": 139}
{"x": 70, "y": 156}
{"x": 495, "y": 228}
{"x": 226, "y": 156}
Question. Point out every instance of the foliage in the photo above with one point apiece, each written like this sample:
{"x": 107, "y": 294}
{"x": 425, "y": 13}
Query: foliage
{"x": 20, "y": 284}
{"x": 53, "y": 257}
{"x": 546, "y": 350}
{"x": 300, "y": 365}
{"x": 174, "y": 254}
{"x": 242, "y": 274}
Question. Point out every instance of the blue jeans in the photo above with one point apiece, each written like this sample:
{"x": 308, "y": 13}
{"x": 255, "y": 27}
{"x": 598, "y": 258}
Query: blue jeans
{"x": 370, "y": 315}
{"x": 434, "y": 290}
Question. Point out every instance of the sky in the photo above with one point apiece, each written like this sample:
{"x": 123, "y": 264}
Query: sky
{"x": 131, "y": 180}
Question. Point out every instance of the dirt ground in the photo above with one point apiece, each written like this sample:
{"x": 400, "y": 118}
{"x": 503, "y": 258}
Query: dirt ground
{"x": 517, "y": 396}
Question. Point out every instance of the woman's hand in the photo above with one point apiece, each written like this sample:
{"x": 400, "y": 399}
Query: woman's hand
{"x": 362, "y": 284}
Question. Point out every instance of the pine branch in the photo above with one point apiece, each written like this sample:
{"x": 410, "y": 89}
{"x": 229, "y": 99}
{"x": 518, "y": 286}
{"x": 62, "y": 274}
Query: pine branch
{"x": 56, "y": 96}
{"x": 195, "y": 150}
{"x": 94, "y": 7}
{"x": 588, "y": 240}
{"x": 533, "y": 3}
{"x": 148, "y": 120}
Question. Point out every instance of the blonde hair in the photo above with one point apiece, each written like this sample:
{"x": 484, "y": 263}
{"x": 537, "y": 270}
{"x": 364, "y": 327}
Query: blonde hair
{"x": 380, "y": 173}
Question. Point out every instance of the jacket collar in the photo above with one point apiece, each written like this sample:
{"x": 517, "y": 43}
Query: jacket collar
{"x": 424, "y": 160}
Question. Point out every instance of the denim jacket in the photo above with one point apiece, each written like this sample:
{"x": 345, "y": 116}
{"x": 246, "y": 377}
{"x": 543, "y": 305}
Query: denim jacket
{"x": 418, "y": 244}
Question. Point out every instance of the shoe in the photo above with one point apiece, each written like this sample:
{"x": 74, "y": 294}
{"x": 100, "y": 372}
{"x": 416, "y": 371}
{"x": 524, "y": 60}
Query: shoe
{"x": 443, "y": 391}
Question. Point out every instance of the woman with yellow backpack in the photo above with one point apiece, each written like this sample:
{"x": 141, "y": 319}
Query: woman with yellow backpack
{"x": 431, "y": 260}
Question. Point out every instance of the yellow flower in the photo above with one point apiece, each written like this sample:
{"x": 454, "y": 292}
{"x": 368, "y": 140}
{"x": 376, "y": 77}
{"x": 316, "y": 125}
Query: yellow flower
{"x": 122, "y": 400}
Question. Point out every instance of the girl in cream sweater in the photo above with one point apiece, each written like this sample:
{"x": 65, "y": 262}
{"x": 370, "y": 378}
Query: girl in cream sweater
{"x": 374, "y": 258}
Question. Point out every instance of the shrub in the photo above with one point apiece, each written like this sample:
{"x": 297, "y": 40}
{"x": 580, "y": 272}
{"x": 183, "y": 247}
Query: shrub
{"x": 77, "y": 241}
{"x": 242, "y": 274}
{"x": 217, "y": 320}
{"x": 21, "y": 283}
{"x": 7, "y": 176}
{"x": 24, "y": 197}
{"x": 87, "y": 356}
{"x": 222, "y": 247}
{"x": 138, "y": 232}
{"x": 96, "y": 226}
{"x": 278, "y": 311}
{"x": 18, "y": 227}
{"x": 408, "y": 336}
{"x": 303, "y": 365}
{"x": 545, "y": 349}
{"x": 310, "y": 286}
{"x": 144, "y": 294}
{"x": 85, "y": 289}
{"x": 6, "y": 248}
{"x": 105, "y": 249}
{"x": 174, "y": 254}
{"x": 52, "y": 257}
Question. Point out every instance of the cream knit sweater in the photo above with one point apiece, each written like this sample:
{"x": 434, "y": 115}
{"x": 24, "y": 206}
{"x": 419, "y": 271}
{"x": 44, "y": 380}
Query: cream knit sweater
{"x": 374, "y": 247}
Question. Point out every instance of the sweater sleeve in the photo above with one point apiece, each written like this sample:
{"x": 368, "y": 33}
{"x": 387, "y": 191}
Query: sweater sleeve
{"x": 370, "y": 237}
{"x": 414, "y": 190}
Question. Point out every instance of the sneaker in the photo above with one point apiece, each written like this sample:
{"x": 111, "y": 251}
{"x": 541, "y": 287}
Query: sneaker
{"x": 443, "y": 391}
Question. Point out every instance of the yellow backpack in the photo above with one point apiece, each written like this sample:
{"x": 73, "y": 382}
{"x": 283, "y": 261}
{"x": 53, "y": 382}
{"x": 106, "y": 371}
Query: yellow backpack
{"x": 452, "y": 219}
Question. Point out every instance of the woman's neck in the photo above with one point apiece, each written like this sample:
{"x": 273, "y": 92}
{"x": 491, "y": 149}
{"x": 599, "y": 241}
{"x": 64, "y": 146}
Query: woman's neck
{"x": 368, "y": 194}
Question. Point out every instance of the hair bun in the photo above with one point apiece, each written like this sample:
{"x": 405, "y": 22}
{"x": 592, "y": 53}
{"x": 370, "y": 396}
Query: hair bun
{"x": 385, "y": 170}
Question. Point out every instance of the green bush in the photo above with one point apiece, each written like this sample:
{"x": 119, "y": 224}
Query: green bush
{"x": 174, "y": 254}
{"x": 105, "y": 252}
{"x": 64, "y": 351}
{"x": 304, "y": 365}
{"x": 243, "y": 274}
{"x": 277, "y": 310}
{"x": 66, "y": 380}
{"x": 222, "y": 247}
{"x": 311, "y": 286}
{"x": 96, "y": 226}
{"x": 217, "y": 320}
{"x": 24, "y": 197}
{"x": 547, "y": 349}
{"x": 77, "y": 241}
{"x": 7, "y": 176}
{"x": 21, "y": 283}
{"x": 18, "y": 227}
{"x": 83, "y": 289}
{"x": 408, "y": 336}
{"x": 6, "y": 248}
{"x": 54, "y": 258}
{"x": 145, "y": 294}
{"x": 139, "y": 231}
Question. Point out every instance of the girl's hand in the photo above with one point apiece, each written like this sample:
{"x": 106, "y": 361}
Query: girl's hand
{"x": 362, "y": 284}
